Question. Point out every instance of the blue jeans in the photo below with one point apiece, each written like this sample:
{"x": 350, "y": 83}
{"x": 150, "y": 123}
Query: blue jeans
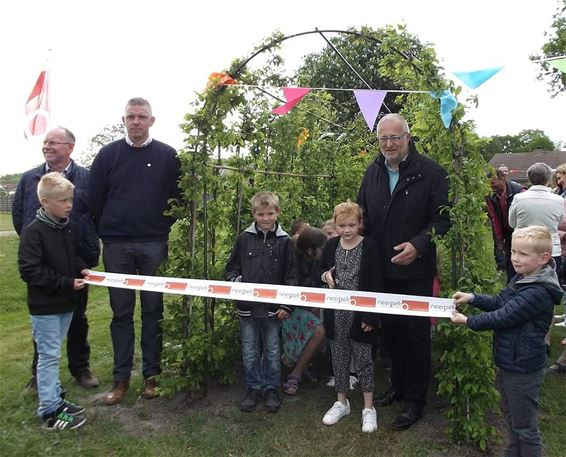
{"x": 262, "y": 368}
{"x": 519, "y": 397}
{"x": 49, "y": 332}
{"x": 144, "y": 259}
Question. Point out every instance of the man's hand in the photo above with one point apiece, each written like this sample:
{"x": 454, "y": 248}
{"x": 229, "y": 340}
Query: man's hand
{"x": 458, "y": 318}
{"x": 366, "y": 327}
{"x": 78, "y": 284}
{"x": 461, "y": 297}
{"x": 407, "y": 255}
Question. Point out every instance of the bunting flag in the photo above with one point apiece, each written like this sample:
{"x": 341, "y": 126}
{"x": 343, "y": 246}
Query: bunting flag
{"x": 448, "y": 104}
{"x": 474, "y": 79}
{"x": 37, "y": 107}
{"x": 370, "y": 102}
{"x": 559, "y": 64}
{"x": 293, "y": 95}
{"x": 220, "y": 79}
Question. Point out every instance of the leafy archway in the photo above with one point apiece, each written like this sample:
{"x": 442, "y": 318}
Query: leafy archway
{"x": 313, "y": 158}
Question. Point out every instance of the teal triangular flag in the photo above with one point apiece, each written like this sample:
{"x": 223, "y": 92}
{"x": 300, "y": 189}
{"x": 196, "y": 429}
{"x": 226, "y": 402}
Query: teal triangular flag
{"x": 474, "y": 79}
{"x": 448, "y": 104}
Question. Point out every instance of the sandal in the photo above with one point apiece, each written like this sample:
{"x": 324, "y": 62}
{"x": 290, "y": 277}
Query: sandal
{"x": 291, "y": 385}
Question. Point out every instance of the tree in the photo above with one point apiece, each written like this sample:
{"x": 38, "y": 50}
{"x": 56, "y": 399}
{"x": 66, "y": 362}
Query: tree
{"x": 525, "y": 141}
{"x": 108, "y": 134}
{"x": 555, "y": 47}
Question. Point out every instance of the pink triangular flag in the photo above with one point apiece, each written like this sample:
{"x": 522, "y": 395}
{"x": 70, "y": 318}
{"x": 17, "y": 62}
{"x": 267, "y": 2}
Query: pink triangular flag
{"x": 293, "y": 95}
{"x": 37, "y": 107}
{"x": 370, "y": 102}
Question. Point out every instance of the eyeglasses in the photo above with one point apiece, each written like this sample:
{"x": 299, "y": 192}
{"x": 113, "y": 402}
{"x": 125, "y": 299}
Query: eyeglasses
{"x": 54, "y": 143}
{"x": 392, "y": 138}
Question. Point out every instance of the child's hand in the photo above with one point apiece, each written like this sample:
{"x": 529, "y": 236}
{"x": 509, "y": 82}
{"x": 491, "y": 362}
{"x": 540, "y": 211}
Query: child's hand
{"x": 458, "y": 318}
{"x": 78, "y": 284}
{"x": 329, "y": 278}
{"x": 366, "y": 327}
{"x": 282, "y": 314}
{"x": 461, "y": 297}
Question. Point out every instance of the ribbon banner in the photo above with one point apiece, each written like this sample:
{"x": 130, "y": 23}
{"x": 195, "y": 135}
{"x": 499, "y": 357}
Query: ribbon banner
{"x": 349, "y": 300}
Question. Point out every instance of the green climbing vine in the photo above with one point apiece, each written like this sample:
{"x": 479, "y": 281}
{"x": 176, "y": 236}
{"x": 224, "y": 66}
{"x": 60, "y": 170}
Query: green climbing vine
{"x": 313, "y": 158}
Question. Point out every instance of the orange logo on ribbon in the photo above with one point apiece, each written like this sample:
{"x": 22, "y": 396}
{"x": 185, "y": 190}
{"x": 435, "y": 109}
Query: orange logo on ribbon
{"x": 356, "y": 300}
{"x": 134, "y": 282}
{"x": 176, "y": 285}
{"x": 265, "y": 293}
{"x": 218, "y": 289}
{"x": 313, "y": 297}
{"x": 96, "y": 278}
{"x": 413, "y": 305}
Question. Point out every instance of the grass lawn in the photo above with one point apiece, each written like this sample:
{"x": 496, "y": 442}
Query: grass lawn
{"x": 186, "y": 425}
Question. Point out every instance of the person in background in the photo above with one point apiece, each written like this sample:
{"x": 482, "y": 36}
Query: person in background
{"x": 329, "y": 227}
{"x": 520, "y": 316}
{"x": 263, "y": 254}
{"x": 498, "y": 204}
{"x": 58, "y": 146}
{"x": 560, "y": 177}
{"x": 131, "y": 183}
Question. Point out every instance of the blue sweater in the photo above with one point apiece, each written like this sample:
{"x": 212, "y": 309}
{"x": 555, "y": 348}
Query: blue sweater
{"x": 129, "y": 191}
{"x": 26, "y": 204}
{"x": 520, "y": 317}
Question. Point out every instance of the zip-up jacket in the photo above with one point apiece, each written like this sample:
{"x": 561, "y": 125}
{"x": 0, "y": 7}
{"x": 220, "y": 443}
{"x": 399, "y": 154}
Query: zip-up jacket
{"x": 370, "y": 279}
{"x": 520, "y": 316}
{"x": 26, "y": 204}
{"x": 265, "y": 259}
{"x": 49, "y": 264}
{"x": 413, "y": 212}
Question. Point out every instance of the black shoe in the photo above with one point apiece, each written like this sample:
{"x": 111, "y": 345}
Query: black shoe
{"x": 409, "y": 416}
{"x": 249, "y": 403}
{"x": 387, "y": 398}
{"x": 272, "y": 401}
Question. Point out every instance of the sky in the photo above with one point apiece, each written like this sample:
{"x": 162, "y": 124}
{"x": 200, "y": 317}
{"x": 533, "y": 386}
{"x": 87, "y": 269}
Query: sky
{"x": 105, "y": 52}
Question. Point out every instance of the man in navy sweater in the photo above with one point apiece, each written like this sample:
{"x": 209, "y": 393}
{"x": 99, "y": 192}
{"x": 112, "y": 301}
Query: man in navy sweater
{"x": 57, "y": 148}
{"x": 131, "y": 182}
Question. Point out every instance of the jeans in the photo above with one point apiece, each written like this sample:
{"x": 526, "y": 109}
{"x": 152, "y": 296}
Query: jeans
{"x": 260, "y": 352}
{"x": 78, "y": 349}
{"x": 519, "y": 397}
{"x": 144, "y": 259}
{"x": 49, "y": 332}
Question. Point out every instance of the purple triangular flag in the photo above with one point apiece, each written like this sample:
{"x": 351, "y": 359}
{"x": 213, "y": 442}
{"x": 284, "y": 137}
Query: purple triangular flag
{"x": 370, "y": 102}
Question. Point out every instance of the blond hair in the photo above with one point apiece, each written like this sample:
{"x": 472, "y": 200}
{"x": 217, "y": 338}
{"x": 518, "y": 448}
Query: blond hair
{"x": 328, "y": 223}
{"x": 347, "y": 209}
{"x": 561, "y": 169}
{"x": 537, "y": 237}
{"x": 263, "y": 199}
{"x": 52, "y": 185}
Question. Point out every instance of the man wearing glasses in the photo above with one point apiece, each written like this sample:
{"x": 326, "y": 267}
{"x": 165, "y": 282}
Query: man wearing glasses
{"x": 402, "y": 195}
{"x": 57, "y": 148}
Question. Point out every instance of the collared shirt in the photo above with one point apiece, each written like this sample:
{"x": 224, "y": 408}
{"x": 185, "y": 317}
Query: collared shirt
{"x": 65, "y": 172}
{"x": 143, "y": 145}
{"x": 393, "y": 174}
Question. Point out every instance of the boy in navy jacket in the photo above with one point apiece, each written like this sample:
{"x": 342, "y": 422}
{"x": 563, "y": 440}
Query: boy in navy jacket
{"x": 263, "y": 253}
{"x": 520, "y": 316}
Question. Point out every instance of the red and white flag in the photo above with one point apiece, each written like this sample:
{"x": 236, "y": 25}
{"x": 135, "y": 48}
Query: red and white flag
{"x": 38, "y": 116}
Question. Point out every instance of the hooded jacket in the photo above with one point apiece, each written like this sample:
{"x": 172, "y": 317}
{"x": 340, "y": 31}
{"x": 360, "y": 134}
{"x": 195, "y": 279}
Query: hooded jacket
{"x": 411, "y": 213}
{"x": 520, "y": 316}
{"x": 265, "y": 259}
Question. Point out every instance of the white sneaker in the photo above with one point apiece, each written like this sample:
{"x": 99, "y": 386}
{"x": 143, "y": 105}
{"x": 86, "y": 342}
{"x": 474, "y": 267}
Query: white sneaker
{"x": 369, "y": 420}
{"x": 331, "y": 382}
{"x": 337, "y": 412}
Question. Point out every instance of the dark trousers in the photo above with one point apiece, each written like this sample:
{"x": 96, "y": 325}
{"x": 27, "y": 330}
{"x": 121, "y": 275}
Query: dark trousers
{"x": 519, "y": 397}
{"x": 78, "y": 349}
{"x": 143, "y": 259}
{"x": 408, "y": 343}
{"x": 508, "y": 264}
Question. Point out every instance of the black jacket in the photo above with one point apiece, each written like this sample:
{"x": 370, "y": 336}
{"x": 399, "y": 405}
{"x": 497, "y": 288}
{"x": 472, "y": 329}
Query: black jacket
{"x": 49, "y": 264}
{"x": 264, "y": 259}
{"x": 411, "y": 213}
{"x": 370, "y": 280}
{"x": 520, "y": 317}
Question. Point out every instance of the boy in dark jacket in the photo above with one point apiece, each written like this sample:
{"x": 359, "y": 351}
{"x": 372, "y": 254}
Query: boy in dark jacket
{"x": 262, "y": 254}
{"x": 520, "y": 316}
{"x": 49, "y": 265}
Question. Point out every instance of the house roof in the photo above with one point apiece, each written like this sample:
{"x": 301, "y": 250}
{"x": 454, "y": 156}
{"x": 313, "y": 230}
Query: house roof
{"x": 519, "y": 162}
